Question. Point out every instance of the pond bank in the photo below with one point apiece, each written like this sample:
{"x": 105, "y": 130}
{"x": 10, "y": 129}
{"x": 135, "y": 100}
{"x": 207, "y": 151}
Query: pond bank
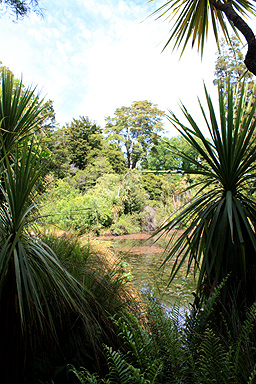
{"x": 144, "y": 257}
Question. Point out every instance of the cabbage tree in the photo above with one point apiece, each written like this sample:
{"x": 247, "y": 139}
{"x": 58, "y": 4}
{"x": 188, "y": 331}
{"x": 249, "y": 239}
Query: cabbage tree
{"x": 191, "y": 21}
{"x": 37, "y": 295}
{"x": 220, "y": 221}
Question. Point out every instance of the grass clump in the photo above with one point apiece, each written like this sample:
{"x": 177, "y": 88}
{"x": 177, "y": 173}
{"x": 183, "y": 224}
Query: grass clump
{"x": 106, "y": 291}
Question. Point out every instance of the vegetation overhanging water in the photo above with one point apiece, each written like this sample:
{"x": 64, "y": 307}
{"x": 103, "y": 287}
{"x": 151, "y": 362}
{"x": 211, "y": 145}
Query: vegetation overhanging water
{"x": 142, "y": 258}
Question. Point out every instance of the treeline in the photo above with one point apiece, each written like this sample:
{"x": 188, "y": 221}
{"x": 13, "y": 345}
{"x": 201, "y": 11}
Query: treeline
{"x": 118, "y": 179}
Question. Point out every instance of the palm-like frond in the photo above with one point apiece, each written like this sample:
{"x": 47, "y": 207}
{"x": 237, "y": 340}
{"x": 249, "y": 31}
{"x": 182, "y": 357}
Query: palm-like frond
{"x": 220, "y": 221}
{"x": 191, "y": 20}
{"x": 20, "y": 111}
{"x": 36, "y": 271}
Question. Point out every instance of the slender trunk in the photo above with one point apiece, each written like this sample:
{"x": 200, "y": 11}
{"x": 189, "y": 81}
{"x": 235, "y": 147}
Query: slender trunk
{"x": 242, "y": 26}
{"x": 128, "y": 159}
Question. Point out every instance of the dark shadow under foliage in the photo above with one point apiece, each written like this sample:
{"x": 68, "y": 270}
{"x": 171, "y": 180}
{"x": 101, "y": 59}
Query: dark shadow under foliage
{"x": 106, "y": 292}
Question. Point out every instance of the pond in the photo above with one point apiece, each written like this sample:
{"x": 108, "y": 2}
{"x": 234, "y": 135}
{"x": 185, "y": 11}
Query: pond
{"x": 144, "y": 257}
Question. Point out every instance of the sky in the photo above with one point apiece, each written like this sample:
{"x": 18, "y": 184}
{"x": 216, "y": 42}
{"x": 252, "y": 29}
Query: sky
{"x": 93, "y": 56}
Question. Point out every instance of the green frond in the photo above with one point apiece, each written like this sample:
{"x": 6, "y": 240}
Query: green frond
{"x": 20, "y": 112}
{"x": 219, "y": 235}
{"x": 137, "y": 339}
{"x": 191, "y": 20}
{"x": 214, "y": 363}
{"x": 84, "y": 376}
{"x": 119, "y": 369}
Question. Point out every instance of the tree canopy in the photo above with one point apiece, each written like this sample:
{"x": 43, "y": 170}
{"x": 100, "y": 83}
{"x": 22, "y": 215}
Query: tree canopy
{"x": 84, "y": 141}
{"x": 229, "y": 65}
{"x": 135, "y": 129}
{"x": 162, "y": 157}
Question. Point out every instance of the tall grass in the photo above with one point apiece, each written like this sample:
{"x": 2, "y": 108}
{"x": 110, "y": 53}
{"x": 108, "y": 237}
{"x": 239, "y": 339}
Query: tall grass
{"x": 106, "y": 291}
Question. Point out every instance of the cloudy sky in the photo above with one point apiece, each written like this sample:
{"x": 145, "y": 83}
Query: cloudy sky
{"x": 93, "y": 56}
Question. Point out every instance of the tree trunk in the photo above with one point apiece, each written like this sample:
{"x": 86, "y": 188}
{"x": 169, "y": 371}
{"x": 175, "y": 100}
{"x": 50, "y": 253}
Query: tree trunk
{"x": 240, "y": 24}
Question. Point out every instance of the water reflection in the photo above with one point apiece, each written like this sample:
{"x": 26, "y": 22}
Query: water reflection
{"x": 144, "y": 258}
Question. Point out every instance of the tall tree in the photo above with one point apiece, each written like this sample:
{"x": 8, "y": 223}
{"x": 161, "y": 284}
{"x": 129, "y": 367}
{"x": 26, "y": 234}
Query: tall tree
{"x": 229, "y": 65}
{"x": 191, "y": 21}
{"x": 84, "y": 141}
{"x": 135, "y": 129}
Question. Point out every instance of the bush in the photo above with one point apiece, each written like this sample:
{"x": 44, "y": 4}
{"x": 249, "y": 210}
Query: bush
{"x": 68, "y": 208}
{"x": 126, "y": 224}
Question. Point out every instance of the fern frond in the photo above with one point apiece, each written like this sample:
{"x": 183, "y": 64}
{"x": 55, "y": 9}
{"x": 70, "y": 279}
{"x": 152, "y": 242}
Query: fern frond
{"x": 215, "y": 365}
{"x": 84, "y": 376}
{"x": 142, "y": 349}
{"x": 119, "y": 369}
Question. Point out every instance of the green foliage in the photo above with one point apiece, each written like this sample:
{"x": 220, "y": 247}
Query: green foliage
{"x": 87, "y": 178}
{"x": 21, "y": 112}
{"x": 105, "y": 291}
{"x": 169, "y": 349}
{"x": 79, "y": 150}
{"x": 67, "y": 207}
{"x": 229, "y": 65}
{"x": 115, "y": 157}
{"x": 163, "y": 158}
{"x": 35, "y": 290}
{"x": 126, "y": 224}
{"x": 220, "y": 221}
{"x": 136, "y": 129}
{"x": 131, "y": 193}
{"x": 99, "y": 200}
{"x": 139, "y": 365}
{"x": 40, "y": 301}
{"x": 84, "y": 141}
{"x": 154, "y": 185}
{"x": 56, "y": 142}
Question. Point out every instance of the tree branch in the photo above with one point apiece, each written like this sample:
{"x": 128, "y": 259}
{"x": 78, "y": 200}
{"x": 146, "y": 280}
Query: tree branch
{"x": 243, "y": 27}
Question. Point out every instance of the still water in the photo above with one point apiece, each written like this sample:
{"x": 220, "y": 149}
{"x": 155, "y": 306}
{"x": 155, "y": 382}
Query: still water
{"x": 143, "y": 258}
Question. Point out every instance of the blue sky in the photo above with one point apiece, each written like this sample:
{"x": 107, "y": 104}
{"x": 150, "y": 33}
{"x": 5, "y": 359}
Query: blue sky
{"x": 93, "y": 56}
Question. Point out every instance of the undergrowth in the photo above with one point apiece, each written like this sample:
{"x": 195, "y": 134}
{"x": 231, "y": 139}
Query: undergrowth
{"x": 179, "y": 350}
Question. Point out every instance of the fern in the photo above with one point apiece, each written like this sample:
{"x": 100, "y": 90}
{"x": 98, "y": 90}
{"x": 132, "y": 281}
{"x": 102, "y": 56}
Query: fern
{"x": 119, "y": 369}
{"x": 142, "y": 349}
{"x": 214, "y": 363}
{"x": 166, "y": 350}
{"x": 243, "y": 344}
{"x": 168, "y": 335}
{"x": 84, "y": 376}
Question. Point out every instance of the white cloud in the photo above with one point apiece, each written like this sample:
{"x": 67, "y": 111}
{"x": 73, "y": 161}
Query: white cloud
{"x": 95, "y": 56}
